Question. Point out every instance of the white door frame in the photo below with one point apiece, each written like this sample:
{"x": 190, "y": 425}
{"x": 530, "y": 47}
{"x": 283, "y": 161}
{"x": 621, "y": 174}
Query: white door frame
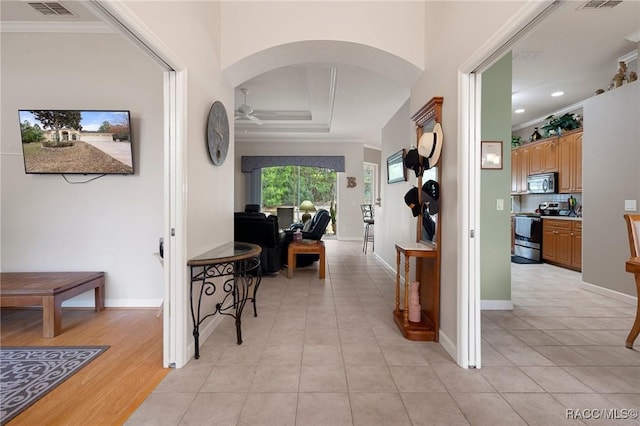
{"x": 374, "y": 194}
{"x": 469, "y": 125}
{"x": 175, "y": 316}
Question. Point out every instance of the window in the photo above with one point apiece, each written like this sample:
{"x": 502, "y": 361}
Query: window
{"x": 290, "y": 185}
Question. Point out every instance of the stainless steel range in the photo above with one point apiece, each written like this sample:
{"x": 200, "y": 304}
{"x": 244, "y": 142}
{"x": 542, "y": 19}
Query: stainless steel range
{"x": 528, "y": 236}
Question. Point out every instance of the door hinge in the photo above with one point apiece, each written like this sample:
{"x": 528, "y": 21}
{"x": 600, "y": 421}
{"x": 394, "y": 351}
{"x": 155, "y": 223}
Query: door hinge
{"x": 472, "y": 233}
{"x": 173, "y": 232}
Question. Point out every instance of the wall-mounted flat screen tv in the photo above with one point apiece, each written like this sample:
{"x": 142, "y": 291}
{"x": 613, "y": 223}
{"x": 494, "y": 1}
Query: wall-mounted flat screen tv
{"x": 76, "y": 141}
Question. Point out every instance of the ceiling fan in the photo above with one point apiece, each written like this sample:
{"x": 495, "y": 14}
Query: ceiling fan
{"x": 245, "y": 111}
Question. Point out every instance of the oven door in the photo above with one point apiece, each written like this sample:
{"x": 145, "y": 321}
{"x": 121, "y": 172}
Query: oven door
{"x": 528, "y": 231}
{"x": 528, "y": 237}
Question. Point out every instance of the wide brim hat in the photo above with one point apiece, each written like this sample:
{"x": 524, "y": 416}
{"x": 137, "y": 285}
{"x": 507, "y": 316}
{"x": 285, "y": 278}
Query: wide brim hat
{"x": 430, "y": 146}
{"x": 431, "y": 196}
{"x": 411, "y": 200}
{"x": 413, "y": 161}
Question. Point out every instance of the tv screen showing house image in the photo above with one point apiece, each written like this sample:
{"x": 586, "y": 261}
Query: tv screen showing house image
{"x": 76, "y": 141}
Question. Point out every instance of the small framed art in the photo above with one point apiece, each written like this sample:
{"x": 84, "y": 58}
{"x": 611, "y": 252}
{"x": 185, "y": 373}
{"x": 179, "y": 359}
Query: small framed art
{"x": 491, "y": 155}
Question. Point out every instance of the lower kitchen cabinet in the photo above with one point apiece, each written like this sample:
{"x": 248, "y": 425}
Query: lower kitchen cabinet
{"x": 562, "y": 242}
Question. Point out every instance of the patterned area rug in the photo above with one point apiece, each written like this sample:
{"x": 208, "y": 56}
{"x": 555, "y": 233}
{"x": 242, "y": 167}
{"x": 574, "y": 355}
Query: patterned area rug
{"x": 28, "y": 373}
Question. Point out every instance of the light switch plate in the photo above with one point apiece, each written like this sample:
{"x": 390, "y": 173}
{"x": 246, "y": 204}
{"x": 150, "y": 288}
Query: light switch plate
{"x": 499, "y": 204}
{"x": 630, "y": 205}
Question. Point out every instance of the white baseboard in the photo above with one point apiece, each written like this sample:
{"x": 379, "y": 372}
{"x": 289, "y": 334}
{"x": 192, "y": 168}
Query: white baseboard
{"x": 349, "y": 238}
{"x": 114, "y": 303}
{"x": 386, "y": 265}
{"x": 496, "y": 305}
{"x": 448, "y": 345}
{"x": 622, "y": 297}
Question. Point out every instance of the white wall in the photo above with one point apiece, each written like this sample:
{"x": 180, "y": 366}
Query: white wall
{"x": 113, "y": 223}
{"x": 394, "y": 221}
{"x": 189, "y": 33}
{"x": 349, "y": 199}
{"x": 396, "y": 27}
{"x": 455, "y": 31}
{"x": 610, "y": 158}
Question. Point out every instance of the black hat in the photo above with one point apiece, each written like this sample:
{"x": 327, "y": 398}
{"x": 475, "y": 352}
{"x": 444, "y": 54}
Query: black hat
{"x": 431, "y": 195}
{"x": 413, "y": 161}
{"x": 411, "y": 199}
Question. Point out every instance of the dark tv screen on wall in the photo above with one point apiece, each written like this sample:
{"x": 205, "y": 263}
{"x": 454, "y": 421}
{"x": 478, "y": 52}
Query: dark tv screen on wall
{"x": 76, "y": 141}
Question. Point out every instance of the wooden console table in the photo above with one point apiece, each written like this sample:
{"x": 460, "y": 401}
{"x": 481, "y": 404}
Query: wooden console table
{"x": 236, "y": 261}
{"x": 296, "y": 247}
{"x": 49, "y": 290}
{"x": 426, "y": 329}
{"x": 633, "y": 266}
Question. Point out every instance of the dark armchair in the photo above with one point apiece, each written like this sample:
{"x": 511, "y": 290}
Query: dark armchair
{"x": 257, "y": 228}
{"x": 314, "y": 231}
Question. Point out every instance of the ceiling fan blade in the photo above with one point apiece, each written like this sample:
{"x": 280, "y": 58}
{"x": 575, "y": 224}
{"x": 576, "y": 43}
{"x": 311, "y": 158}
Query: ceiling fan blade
{"x": 255, "y": 119}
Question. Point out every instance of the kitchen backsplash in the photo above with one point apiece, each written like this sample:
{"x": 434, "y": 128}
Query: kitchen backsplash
{"x": 530, "y": 202}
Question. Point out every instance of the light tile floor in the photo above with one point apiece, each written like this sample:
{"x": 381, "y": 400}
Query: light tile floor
{"x": 327, "y": 353}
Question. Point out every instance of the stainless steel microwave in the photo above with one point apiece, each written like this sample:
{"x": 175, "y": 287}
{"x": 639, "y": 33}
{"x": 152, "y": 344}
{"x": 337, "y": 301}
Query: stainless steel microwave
{"x": 543, "y": 183}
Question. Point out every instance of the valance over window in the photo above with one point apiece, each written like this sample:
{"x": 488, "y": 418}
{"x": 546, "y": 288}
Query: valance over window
{"x": 250, "y": 163}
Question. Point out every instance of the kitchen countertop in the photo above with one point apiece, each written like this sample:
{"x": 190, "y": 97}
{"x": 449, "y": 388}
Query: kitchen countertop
{"x": 563, "y": 218}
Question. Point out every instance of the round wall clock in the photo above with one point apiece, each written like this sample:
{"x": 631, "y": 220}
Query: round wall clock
{"x": 218, "y": 133}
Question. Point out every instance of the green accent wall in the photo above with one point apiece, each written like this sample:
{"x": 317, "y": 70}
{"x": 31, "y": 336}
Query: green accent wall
{"x": 495, "y": 225}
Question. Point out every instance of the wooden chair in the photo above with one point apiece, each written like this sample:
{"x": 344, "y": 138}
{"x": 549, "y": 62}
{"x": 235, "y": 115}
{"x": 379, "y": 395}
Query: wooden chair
{"x": 633, "y": 228}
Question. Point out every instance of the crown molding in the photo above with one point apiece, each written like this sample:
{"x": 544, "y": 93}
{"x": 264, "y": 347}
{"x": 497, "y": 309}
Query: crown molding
{"x": 54, "y": 27}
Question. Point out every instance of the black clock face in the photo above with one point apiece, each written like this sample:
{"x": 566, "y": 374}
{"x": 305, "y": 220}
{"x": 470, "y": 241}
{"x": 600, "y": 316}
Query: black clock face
{"x": 218, "y": 133}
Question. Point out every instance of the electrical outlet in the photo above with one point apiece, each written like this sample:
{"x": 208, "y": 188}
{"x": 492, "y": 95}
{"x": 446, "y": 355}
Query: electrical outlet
{"x": 630, "y": 205}
{"x": 499, "y": 204}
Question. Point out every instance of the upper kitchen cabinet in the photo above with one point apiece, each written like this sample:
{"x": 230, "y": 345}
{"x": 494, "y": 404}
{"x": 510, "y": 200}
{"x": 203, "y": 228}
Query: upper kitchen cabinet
{"x": 557, "y": 154}
{"x": 543, "y": 157}
{"x": 570, "y": 162}
{"x": 519, "y": 169}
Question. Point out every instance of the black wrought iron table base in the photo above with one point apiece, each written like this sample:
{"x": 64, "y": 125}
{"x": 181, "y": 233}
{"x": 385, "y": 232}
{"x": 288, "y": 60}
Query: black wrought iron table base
{"x": 232, "y": 272}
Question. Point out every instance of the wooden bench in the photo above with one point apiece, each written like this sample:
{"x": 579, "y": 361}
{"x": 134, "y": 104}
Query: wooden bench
{"x": 49, "y": 290}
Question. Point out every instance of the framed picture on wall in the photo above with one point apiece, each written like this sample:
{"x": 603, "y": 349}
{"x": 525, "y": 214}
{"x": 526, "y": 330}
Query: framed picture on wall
{"x": 396, "y": 171}
{"x": 491, "y": 155}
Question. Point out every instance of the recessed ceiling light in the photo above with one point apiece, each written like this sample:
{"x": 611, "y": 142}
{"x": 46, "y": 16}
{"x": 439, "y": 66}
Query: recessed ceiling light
{"x": 556, "y": 94}
{"x": 519, "y": 111}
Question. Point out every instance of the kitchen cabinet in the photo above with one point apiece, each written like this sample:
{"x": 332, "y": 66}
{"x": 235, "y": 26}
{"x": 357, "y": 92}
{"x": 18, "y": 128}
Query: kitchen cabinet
{"x": 576, "y": 245}
{"x": 519, "y": 170}
{"x": 562, "y": 242}
{"x": 570, "y": 162}
{"x": 515, "y": 171}
{"x": 530, "y": 159}
{"x": 543, "y": 156}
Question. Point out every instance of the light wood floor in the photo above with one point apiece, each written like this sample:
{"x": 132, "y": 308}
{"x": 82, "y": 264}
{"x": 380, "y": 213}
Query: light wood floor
{"x": 112, "y": 386}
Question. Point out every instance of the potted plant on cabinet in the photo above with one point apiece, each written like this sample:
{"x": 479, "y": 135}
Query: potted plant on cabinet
{"x": 556, "y": 125}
